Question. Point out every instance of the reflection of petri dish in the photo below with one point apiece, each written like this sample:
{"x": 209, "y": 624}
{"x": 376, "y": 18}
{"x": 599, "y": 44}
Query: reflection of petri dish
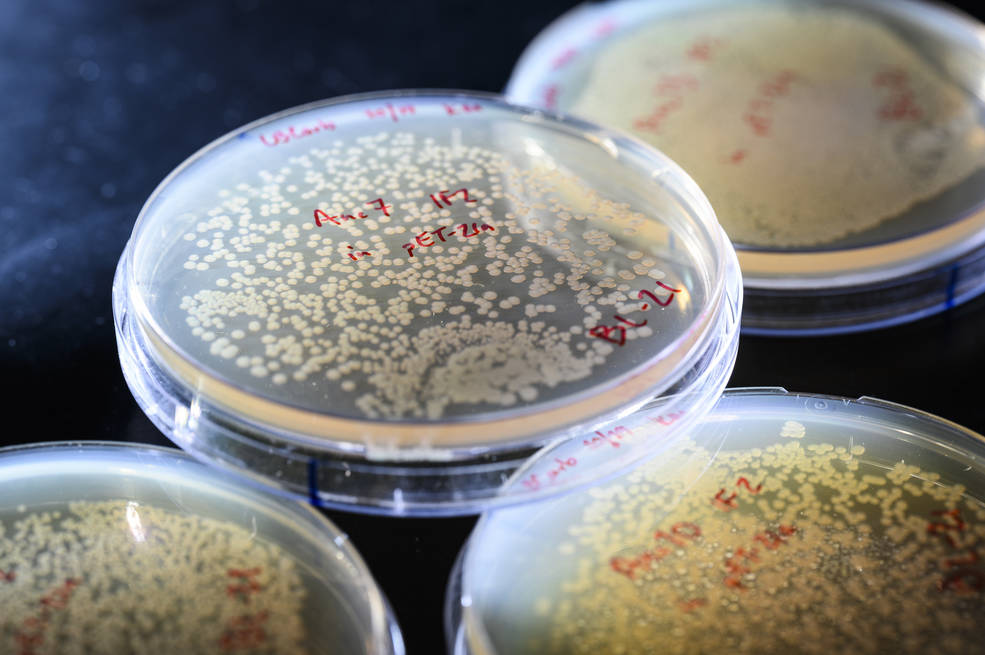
{"x": 113, "y": 548}
{"x": 847, "y": 158}
{"x": 785, "y": 523}
{"x": 391, "y": 300}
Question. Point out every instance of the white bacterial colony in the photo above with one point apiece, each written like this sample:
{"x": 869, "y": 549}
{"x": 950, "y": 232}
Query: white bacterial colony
{"x": 802, "y": 124}
{"x": 794, "y": 547}
{"x": 120, "y": 577}
{"x": 442, "y": 279}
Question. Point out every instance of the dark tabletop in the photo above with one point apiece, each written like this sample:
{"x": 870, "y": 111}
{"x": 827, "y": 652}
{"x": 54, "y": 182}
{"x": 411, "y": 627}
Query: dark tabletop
{"x": 100, "y": 100}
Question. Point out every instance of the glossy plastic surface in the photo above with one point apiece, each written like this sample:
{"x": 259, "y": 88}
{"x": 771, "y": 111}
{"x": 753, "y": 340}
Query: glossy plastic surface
{"x": 829, "y": 523}
{"x": 390, "y": 301}
{"x": 846, "y": 159}
{"x": 108, "y": 548}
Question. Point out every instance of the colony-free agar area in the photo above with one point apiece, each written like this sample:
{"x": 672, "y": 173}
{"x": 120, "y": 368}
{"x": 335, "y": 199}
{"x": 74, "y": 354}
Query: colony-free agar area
{"x": 784, "y": 524}
{"x": 421, "y": 270}
{"x": 115, "y": 549}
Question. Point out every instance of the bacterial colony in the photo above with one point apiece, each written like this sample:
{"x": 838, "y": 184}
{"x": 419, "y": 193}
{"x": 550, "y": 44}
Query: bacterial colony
{"x": 827, "y": 123}
{"x": 397, "y": 276}
{"x": 799, "y": 546}
{"x": 122, "y": 577}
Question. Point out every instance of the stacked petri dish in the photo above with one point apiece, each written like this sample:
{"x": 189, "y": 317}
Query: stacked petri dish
{"x": 785, "y": 522}
{"x": 115, "y": 548}
{"x": 433, "y": 302}
{"x": 389, "y": 302}
{"x": 841, "y": 143}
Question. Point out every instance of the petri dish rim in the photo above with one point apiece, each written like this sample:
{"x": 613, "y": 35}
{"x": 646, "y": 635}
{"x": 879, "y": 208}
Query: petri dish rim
{"x": 849, "y": 279}
{"x": 296, "y": 463}
{"x": 465, "y": 633}
{"x": 155, "y": 463}
{"x": 664, "y": 167}
{"x": 682, "y": 185}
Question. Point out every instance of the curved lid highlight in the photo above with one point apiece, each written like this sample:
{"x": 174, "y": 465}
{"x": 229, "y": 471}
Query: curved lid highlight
{"x": 841, "y": 143}
{"x": 110, "y": 548}
{"x": 783, "y": 522}
{"x": 421, "y": 276}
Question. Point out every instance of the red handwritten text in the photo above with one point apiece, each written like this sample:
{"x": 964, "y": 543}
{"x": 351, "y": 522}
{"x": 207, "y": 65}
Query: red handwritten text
{"x": 669, "y": 419}
{"x": 30, "y": 636}
{"x": 617, "y": 333}
{"x": 605, "y": 27}
{"x": 245, "y": 584}
{"x": 355, "y": 255}
{"x": 680, "y": 535}
{"x": 738, "y": 564}
{"x": 463, "y": 108}
{"x": 730, "y": 502}
{"x": 704, "y": 49}
{"x": 322, "y": 217}
{"x": 391, "y": 111}
{"x": 550, "y": 96}
{"x": 674, "y": 87}
{"x": 465, "y": 231}
{"x": 533, "y": 482}
{"x": 962, "y": 576}
{"x": 900, "y": 105}
{"x": 688, "y": 606}
{"x": 759, "y": 110}
{"x": 444, "y": 197}
{"x": 246, "y": 630}
{"x": 612, "y": 437}
{"x": 293, "y": 132}
{"x": 563, "y": 59}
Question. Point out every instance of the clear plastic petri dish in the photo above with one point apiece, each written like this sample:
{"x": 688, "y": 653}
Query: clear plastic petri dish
{"x": 388, "y": 302}
{"x": 116, "y": 548}
{"x": 841, "y": 142}
{"x": 783, "y": 523}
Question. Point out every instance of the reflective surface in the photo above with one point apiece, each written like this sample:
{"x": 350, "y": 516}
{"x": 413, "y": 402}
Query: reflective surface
{"x": 786, "y": 522}
{"x": 846, "y": 149}
{"x": 423, "y": 258}
{"x": 110, "y": 548}
{"x": 81, "y": 155}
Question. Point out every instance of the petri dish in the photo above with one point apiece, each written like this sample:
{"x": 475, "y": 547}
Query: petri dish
{"x": 116, "y": 548}
{"x": 846, "y": 159}
{"x": 388, "y": 302}
{"x": 783, "y": 523}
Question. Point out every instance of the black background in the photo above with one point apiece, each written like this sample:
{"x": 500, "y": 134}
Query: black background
{"x": 100, "y": 100}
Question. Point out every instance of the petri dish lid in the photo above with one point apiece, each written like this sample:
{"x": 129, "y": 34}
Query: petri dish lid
{"x": 783, "y": 523}
{"x": 388, "y": 302}
{"x": 116, "y": 548}
{"x": 846, "y": 159}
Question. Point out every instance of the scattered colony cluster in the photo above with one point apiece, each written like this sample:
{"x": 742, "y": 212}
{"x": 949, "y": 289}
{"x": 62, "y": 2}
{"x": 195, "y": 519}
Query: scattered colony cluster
{"x": 827, "y": 123}
{"x": 121, "y": 577}
{"x": 396, "y": 276}
{"x": 797, "y": 546}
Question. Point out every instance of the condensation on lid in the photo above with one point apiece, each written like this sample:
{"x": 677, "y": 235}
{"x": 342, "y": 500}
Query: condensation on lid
{"x": 110, "y": 548}
{"x": 785, "y": 522}
{"x": 847, "y": 156}
{"x": 418, "y": 276}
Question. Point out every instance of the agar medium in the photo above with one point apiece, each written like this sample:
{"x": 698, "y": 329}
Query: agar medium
{"x": 841, "y": 143}
{"x": 783, "y": 523}
{"x": 388, "y": 302}
{"x": 115, "y": 548}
